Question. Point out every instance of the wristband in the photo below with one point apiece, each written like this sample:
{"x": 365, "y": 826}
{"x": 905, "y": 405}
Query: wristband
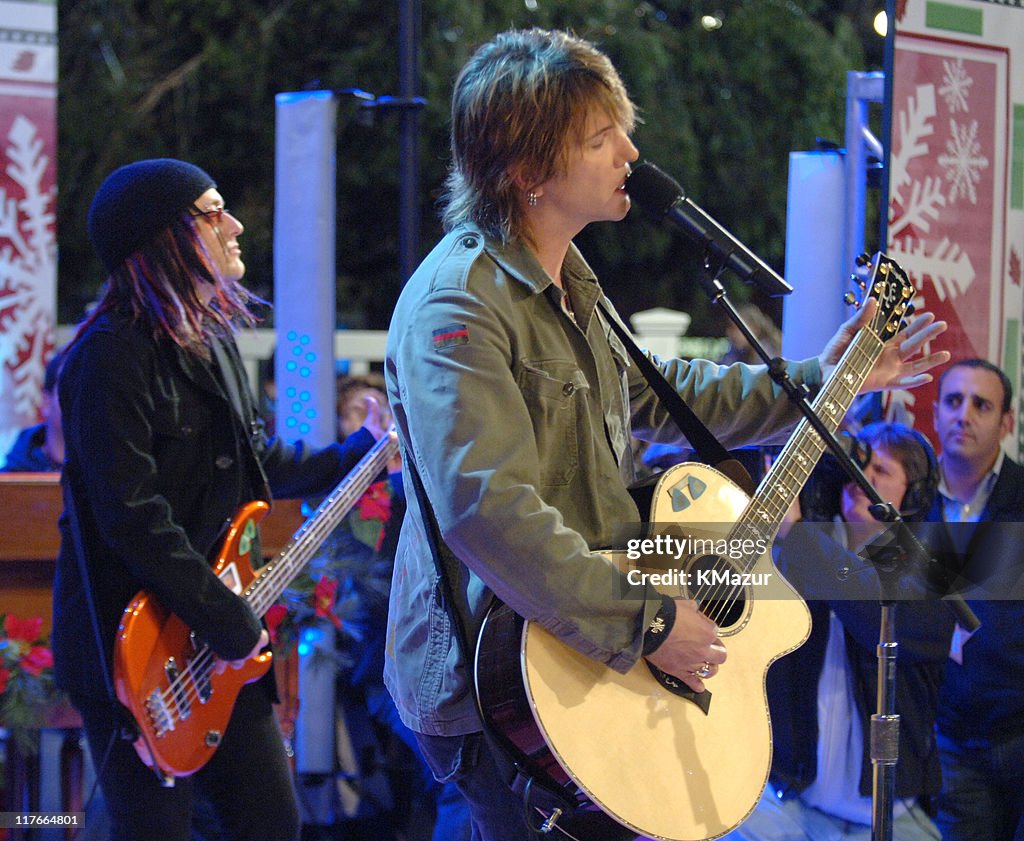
{"x": 661, "y": 626}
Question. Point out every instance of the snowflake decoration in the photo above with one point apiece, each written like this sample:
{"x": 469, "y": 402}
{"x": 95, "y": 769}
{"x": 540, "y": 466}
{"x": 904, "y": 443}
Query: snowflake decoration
{"x": 964, "y": 162}
{"x": 947, "y": 264}
{"x": 898, "y": 407}
{"x": 956, "y": 85}
{"x": 917, "y": 202}
{"x": 913, "y": 126}
{"x": 28, "y": 252}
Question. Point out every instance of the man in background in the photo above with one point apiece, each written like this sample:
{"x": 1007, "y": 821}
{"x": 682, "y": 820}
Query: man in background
{"x": 981, "y": 706}
{"x": 822, "y": 695}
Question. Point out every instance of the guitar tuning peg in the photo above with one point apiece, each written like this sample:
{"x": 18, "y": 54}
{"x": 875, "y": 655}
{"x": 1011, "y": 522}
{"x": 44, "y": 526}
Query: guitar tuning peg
{"x": 851, "y": 300}
{"x": 863, "y": 259}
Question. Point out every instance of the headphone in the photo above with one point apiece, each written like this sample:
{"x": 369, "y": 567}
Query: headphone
{"x": 920, "y": 493}
{"x": 820, "y": 498}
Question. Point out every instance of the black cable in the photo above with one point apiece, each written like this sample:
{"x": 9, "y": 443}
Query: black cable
{"x": 114, "y": 735}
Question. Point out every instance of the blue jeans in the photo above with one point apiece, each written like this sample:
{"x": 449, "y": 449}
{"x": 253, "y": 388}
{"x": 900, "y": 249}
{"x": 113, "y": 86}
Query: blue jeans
{"x": 982, "y": 796}
{"x": 498, "y": 814}
{"x": 452, "y": 822}
{"x": 792, "y": 820}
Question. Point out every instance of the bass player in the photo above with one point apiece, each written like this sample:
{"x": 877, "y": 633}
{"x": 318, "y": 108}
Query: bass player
{"x": 163, "y": 446}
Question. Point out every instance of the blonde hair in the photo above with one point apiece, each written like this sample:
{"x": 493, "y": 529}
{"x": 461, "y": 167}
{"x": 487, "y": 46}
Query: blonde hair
{"x": 518, "y": 103}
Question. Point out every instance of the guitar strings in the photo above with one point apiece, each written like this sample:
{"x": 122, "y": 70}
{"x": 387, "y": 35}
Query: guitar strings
{"x": 723, "y": 596}
{"x": 726, "y": 599}
{"x": 184, "y": 690}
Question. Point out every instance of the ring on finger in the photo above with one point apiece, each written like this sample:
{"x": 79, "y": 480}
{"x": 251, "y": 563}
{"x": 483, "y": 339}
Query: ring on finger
{"x": 704, "y": 671}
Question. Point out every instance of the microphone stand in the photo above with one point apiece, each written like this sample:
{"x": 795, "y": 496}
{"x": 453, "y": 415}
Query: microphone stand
{"x": 890, "y": 561}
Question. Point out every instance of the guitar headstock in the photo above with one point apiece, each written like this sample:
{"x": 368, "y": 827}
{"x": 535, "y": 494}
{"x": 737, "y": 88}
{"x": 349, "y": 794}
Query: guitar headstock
{"x": 885, "y": 281}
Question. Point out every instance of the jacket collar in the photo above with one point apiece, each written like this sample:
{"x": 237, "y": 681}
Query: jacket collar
{"x": 519, "y": 262}
{"x": 1007, "y": 499}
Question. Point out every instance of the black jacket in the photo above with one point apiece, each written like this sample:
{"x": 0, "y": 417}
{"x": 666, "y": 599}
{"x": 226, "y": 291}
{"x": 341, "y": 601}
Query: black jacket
{"x": 811, "y": 561}
{"x": 158, "y": 459}
{"x": 982, "y": 699}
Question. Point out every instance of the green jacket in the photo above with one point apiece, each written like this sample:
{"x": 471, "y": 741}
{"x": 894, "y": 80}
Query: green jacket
{"x": 519, "y": 421}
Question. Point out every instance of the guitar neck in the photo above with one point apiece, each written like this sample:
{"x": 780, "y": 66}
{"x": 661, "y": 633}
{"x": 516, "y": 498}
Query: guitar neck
{"x": 272, "y": 579}
{"x": 763, "y": 517}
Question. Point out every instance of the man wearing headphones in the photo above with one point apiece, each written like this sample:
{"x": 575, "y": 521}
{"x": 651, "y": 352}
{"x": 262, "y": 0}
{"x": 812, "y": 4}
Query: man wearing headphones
{"x": 822, "y": 696}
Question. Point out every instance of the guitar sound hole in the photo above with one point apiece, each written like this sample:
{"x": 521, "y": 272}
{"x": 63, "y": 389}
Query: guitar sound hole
{"x": 715, "y": 584}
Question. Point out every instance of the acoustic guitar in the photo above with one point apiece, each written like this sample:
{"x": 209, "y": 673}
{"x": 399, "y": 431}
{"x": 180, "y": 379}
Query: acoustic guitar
{"x": 649, "y": 753}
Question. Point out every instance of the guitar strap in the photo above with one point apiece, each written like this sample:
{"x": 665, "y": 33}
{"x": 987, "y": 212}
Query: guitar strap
{"x": 129, "y": 729}
{"x": 709, "y": 449}
{"x": 535, "y": 792}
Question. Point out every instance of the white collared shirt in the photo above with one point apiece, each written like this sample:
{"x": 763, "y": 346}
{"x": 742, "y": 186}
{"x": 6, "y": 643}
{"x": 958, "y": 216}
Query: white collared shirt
{"x": 957, "y": 511}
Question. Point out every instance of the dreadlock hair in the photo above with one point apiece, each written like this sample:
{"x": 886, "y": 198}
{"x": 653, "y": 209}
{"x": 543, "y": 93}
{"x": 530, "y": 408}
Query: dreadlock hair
{"x": 157, "y": 285}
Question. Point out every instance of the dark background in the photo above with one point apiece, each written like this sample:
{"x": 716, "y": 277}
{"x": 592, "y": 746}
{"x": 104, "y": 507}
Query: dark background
{"x": 196, "y": 79}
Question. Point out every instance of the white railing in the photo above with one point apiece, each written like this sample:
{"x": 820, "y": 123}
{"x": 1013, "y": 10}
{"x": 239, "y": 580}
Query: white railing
{"x": 360, "y": 348}
{"x": 659, "y": 329}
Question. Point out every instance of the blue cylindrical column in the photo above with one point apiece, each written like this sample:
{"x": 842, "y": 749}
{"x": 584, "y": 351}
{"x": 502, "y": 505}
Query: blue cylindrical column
{"x": 815, "y": 231}
{"x": 304, "y": 266}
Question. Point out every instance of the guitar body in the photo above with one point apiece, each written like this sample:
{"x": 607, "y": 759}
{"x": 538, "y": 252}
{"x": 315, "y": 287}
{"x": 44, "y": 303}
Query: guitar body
{"x": 165, "y": 677}
{"x": 181, "y": 727}
{"x": 652, "y": 760}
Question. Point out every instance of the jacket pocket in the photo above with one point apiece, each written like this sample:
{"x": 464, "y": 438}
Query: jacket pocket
{"x": 555, "y": 392}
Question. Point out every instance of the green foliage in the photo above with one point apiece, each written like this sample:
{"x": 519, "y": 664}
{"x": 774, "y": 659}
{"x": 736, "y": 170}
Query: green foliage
{"x": 27, "y": 690}
{"x": 197, "y": 80}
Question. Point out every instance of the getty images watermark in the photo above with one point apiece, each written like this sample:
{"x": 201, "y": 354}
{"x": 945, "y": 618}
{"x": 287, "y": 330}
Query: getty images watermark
{"x": 823, "y": 561}
{"x": 666, "y": 550}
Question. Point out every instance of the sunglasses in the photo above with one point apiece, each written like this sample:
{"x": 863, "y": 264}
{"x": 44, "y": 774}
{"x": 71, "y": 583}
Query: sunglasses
{"x": 214, "y": 216}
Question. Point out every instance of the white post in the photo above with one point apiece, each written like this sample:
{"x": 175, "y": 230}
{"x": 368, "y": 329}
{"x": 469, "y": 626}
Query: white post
{"x": 660, "y": 329}
{"x": 304, "y": 284}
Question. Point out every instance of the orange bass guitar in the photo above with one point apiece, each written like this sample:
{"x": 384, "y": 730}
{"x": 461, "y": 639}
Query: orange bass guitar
{"x": 165, "y": 676}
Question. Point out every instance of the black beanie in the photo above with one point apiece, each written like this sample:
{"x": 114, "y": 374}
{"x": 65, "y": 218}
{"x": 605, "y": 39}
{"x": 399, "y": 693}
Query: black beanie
{"x": 137, "y": 201}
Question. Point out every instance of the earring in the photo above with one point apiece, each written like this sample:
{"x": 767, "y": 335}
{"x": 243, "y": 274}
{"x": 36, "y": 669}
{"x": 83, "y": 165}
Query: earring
{"x": 531, "y": 198}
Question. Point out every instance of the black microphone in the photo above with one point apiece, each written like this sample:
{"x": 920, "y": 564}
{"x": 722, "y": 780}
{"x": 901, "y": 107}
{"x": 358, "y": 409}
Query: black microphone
{"x": 660, "y": 195}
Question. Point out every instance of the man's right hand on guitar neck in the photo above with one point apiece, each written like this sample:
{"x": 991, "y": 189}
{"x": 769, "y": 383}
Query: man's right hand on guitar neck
{"x": 683, "y": 642}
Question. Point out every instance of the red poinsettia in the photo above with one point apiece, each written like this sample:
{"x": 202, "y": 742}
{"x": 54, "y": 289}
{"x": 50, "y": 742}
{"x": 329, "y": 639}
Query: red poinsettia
{"x": 23, "y": 630}
{"x": 375, "y": 504}
{"x": 324, "y": 594}
{"x": 38, "y": 658}
{"x": 331, "y": 588}
{"x": 274, "y": 617}
{"x": 26, "y": 677}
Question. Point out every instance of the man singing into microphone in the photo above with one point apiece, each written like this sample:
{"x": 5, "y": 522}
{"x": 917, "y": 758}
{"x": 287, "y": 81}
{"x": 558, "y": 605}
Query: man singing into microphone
{"x": 515, "y": 404}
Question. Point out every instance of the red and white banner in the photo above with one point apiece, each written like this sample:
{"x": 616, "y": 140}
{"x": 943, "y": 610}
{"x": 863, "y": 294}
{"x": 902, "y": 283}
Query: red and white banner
{"x": 28, "y": 195}
{"x": 956, "y": 209}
